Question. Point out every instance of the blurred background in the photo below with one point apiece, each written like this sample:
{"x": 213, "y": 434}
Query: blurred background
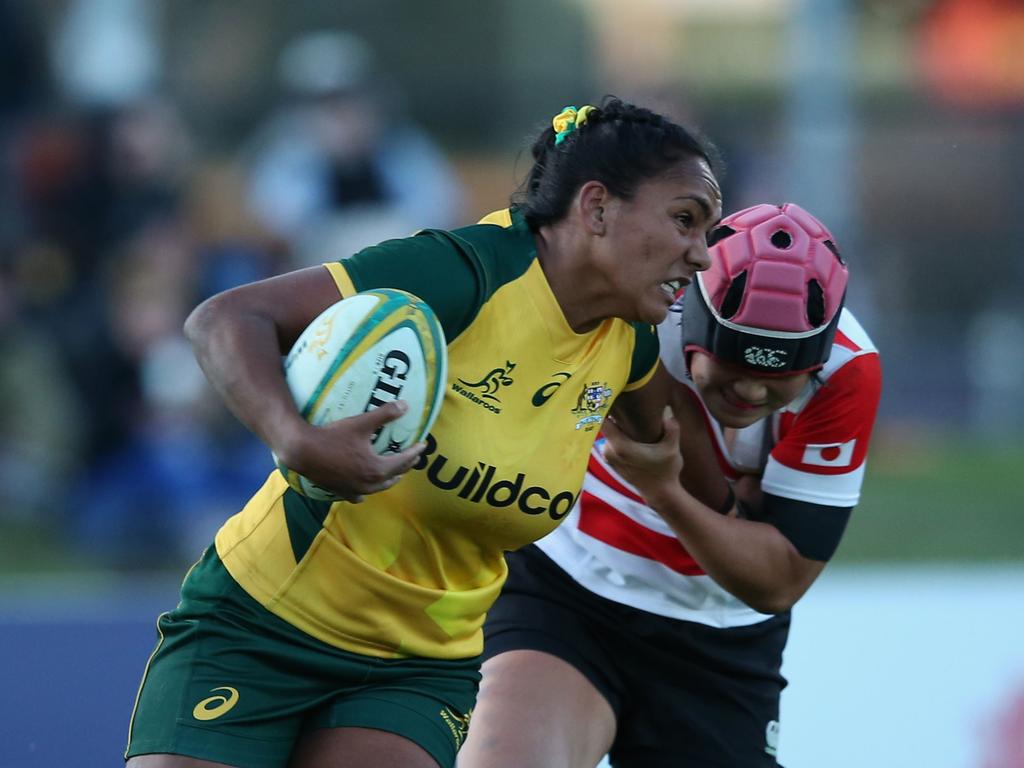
{"x": 155, "y": 152}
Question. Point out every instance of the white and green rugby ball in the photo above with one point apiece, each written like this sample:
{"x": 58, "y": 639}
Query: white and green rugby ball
{"x": 361, "y": 353}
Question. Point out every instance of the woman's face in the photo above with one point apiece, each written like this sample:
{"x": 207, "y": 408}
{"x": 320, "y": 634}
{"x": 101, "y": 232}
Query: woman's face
{"x": 738, "y": 396}
{"x": 657, "y": 239}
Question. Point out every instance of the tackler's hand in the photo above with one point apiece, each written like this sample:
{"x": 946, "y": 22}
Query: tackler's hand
{"x": 652, "y": 468}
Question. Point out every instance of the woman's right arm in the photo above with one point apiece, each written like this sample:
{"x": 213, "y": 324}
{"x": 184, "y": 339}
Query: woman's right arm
{"x": 239, "y": 337}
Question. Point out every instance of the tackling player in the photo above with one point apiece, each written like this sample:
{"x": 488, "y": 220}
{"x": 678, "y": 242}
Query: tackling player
{"x": 651, "y": 626}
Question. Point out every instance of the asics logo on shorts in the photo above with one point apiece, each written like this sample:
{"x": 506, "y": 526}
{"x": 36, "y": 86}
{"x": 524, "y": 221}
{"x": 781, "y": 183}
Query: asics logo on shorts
{"x": 213, "y": 707}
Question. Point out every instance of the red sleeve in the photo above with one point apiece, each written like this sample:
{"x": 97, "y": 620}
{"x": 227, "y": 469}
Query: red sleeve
{"x": 830, "y": 436}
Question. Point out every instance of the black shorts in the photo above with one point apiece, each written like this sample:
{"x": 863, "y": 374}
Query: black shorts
{"x": 684, "y": 694}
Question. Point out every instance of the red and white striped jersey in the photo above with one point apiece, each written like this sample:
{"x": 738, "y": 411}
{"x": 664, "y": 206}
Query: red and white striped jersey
{"x": 813, "y": 450}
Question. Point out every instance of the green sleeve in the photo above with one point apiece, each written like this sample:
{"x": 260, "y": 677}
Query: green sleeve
{"x": 645, "y": 354}
{"x": 431, "y": 265}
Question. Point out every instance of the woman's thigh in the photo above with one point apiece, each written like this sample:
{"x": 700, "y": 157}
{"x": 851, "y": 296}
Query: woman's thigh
{"x": 358, "y": 748}
{"x": 535, "y": 711}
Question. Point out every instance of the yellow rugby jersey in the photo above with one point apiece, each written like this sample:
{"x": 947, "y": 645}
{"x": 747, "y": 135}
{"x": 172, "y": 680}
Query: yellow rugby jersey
{"x": 411, "y": 571}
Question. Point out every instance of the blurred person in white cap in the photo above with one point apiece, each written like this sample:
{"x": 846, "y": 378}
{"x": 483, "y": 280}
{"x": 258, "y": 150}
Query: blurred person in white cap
{"x": 336, "y": 169}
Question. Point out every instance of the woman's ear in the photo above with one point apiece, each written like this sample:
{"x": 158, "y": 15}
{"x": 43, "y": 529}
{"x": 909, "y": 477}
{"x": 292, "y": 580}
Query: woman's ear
{"x": 592, "y": 200}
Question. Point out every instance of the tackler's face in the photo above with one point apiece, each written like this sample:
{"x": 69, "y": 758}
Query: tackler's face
{"x": 657, "y": 239}
{"x": 738, "y": 396}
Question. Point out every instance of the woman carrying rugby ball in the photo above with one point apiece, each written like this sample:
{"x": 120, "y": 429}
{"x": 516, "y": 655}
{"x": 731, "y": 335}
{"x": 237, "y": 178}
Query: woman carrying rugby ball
{"x": 318, "y": 633}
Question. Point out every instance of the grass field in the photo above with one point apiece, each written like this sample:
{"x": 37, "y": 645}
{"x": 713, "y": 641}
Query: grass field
{"x": 924, "y": 499}
{"x": 939, "y": 499}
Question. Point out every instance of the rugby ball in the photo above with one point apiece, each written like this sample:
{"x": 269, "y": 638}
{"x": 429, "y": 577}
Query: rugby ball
{"x": 361, "y": 353}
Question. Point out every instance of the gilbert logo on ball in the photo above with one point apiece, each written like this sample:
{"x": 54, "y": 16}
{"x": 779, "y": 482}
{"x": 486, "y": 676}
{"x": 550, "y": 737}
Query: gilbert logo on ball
{"x": 364, "y": 352}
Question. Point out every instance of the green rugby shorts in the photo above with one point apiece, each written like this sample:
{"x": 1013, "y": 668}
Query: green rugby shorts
{"x": 233, "y": 683}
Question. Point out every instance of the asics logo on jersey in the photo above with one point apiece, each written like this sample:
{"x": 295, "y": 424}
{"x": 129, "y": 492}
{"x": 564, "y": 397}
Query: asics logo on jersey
{"x": 593, "y": 399}
{"x": 544, "y": 394}
{"x": 485, "y": 391}
{"x": 484, "y": 484}
{"x": 213, "y": 707}
{"x": 765, "y": 358}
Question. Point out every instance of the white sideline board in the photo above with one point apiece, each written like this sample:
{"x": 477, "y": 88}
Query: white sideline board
{"x": 905, "y": 666}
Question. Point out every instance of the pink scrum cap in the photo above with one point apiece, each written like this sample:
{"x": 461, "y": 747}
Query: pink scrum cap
{"x": 772, "y": 296}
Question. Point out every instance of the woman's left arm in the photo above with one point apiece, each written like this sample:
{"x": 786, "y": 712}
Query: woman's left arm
{"x": 638, "y": 412}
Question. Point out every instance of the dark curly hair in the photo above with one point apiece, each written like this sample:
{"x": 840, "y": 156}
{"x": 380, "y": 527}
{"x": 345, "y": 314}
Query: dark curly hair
{"x": 620, "y": 145}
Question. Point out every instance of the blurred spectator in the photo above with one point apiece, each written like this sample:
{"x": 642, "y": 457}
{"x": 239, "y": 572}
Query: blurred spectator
{"x": 107, "y": 52}
{"x": 182, "y": 464}
{"x": 86, "y": 183}
{"x": 338, "y": 167}
{"x": 39, "y": 419}
{"x": 232, "y": 248}
{"x": 23, "y": 86}
{"x": 106, "y": 269}
{"x": 22, "y": 70}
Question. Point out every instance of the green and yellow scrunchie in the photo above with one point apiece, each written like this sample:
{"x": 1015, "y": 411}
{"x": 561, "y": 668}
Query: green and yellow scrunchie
{"x": 568, "y": 120}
